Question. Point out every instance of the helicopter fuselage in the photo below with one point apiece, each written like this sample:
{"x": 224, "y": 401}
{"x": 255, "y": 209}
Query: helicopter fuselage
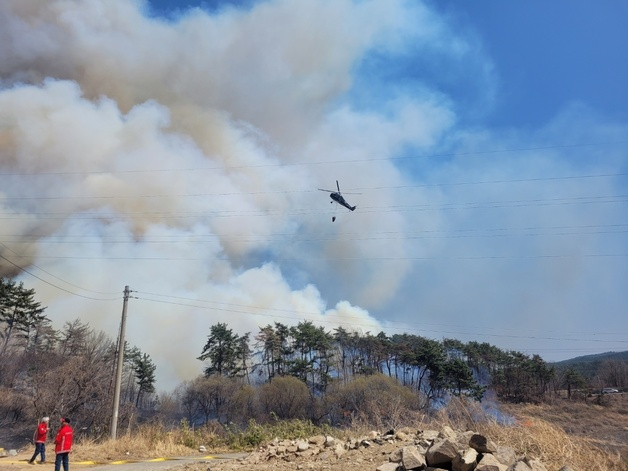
{"x": 337, "y": 197}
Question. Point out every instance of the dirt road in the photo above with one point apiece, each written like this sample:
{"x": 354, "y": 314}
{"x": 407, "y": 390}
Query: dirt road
{"x": 20, "y": 463}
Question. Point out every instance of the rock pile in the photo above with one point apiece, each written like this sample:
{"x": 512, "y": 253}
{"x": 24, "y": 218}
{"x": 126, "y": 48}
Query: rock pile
{"x": 404, "y": 450}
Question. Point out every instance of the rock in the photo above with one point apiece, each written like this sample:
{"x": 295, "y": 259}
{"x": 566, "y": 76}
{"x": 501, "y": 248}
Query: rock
{"x": 519, "y": 466}
{"x": 506, "y": 455}
{"x": 525, "y": 464}
{"x": 490, "y": 463}
{"x": 309, "y": 452}
{"x": 536, "y": 465}
{"x": 325, "y": 456}
{"x": 318, "y": 440}
{"x": 395, "y": 456}
{"x": 465, "y": 461}
{"x": 419, "y": 450}
{"x": 447, "y": 432}
{"x": 430, "y": 435}
{"x": 339, "y": 450}
{"x": 401, "y": 436}
{"x": 481, "y": 444}
{"x": 387, "y": 467}
{"x": 411, "y": 458}
{"x": 442, "y": 451}
{"x": 353, "y": 444}
{"x": 463, "y": 439}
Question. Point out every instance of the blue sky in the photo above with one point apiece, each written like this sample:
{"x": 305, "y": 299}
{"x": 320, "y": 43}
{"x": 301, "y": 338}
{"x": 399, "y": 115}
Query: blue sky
{"x": 548, "y": 54}
{"x": 177, "y": 147}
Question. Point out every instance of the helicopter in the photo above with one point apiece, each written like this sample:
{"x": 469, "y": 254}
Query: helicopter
{"x": 337, "y": 197}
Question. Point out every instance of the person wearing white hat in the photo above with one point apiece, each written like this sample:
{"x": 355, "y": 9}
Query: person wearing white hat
{"x": 40, "y": 441}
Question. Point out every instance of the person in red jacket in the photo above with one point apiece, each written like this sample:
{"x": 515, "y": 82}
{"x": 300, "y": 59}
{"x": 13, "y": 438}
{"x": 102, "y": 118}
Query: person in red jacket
{"x": 40, "y": 441}
{"x": 63, "y": 445}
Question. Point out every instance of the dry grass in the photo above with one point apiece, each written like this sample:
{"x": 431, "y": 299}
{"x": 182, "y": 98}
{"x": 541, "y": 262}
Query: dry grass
{"x": 149, "y": 441}
{"x": 541, "y": 439}
{"x": 139, "y": 446}
{"x": 537, "y": 432}
{"x": 584, "y": 436}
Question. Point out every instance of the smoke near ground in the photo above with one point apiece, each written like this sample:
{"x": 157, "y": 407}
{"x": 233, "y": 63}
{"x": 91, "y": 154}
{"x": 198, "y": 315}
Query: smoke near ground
{"x": 182, "y": 158}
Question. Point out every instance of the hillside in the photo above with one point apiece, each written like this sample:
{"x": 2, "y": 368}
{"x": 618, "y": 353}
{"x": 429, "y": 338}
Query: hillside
{"x": 594, "y": 358}
{"x": 589, "y": 365}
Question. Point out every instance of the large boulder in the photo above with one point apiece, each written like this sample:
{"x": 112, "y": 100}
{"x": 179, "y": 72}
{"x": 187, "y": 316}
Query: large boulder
{"x": 466, "y": 460}
{"x": 490, "y": 463}
{"x": 442, "y": 452}
{"x": 481, "y": 444}
{"x": 411, "y": 458}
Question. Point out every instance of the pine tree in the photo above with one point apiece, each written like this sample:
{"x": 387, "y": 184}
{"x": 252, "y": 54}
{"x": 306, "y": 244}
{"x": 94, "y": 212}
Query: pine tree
{"x": 20, "y": 314}
{"x": 224, "y": 351}
{"x": 145, "y": 376}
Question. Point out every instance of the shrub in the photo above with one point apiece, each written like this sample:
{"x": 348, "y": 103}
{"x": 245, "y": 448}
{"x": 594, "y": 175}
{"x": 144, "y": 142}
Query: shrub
{"x": 376, "y": 400}
{"x": 286, "y": 397}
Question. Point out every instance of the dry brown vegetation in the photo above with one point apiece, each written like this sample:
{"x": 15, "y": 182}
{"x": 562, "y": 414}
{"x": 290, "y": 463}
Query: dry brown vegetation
{"x": 592, "y": 425}
{"x": 547, "y": 432}
{"x": 583, "y": 435}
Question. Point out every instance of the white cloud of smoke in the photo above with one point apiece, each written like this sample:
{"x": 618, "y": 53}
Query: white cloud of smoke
{"x": 158, "y": 154}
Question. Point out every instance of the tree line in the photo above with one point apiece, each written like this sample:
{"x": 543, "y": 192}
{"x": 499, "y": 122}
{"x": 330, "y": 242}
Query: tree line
{"x": 432, "y": 369}
{"x": 280, "y": 371}
{"x": 305, "y": 371}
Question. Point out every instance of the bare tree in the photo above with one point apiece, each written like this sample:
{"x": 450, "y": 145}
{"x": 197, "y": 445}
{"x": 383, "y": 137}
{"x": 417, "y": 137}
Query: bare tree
{"x": 613, "y": 373}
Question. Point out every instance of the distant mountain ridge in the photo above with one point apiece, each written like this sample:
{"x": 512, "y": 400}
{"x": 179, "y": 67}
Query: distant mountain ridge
{"x": 589, "y": 365}
{"x": 599, "y": 357}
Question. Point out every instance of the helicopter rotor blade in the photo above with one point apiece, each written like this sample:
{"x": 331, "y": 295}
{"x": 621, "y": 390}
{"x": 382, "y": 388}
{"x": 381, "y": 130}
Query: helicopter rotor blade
{"x": 338, "y": 186}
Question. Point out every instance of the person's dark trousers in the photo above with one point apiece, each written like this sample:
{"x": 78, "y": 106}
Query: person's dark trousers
{"x": 40, "y": 449}
{"x": 62, "y": 458}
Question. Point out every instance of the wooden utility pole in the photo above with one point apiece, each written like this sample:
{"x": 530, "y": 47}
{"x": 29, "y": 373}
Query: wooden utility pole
{"x": 116, "y": 394}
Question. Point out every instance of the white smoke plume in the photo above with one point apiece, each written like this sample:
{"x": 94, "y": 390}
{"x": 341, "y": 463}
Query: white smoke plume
{"x": 167, "y": 156}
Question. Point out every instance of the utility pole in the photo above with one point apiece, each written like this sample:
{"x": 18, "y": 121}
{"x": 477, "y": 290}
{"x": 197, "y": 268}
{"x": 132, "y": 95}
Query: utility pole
{"x": 116, "y": 394}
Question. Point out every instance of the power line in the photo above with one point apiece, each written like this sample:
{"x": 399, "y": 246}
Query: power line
{"x": 350, "y": 259}
{"x": 223, "y": 167}
{"x": 309, "y": 211}
{"x": 50, "y": 274}
{"x": 565, "y": 230}
{"x": 254, "y": 193}
{"x": 316, "y": 313}
{"x": 302, "y": 316}
{"x": 53, "y": 285}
